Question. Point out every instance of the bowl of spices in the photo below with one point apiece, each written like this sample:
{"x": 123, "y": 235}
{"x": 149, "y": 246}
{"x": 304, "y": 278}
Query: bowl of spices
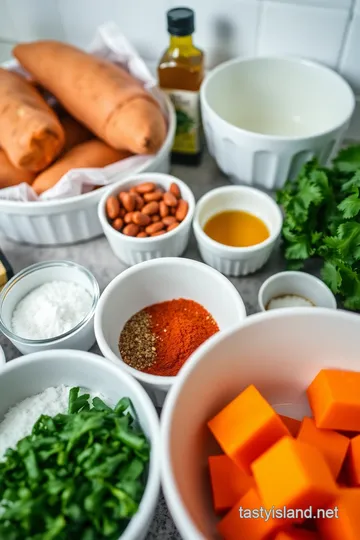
{"x": 236, "y": 228}
{"x": 294, "y": 289}
{"x": 147, "y": 217}
{"x": 153, "y": 316}
{"x": 50, "y": 305}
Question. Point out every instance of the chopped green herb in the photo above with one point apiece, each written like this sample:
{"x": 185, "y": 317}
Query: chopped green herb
{"x": 78, "y": 476}
{"x": 322, "y": 221}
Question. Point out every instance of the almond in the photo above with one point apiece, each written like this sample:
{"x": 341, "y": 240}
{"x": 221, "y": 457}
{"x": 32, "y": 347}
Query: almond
{"x": 175, "y": 190}
{"x": 153, "y": 196}
{"x": 139, "y": 202}
{"x": 182, "y": 210}
{"x": 169, "y": 220}
{"x": 142, "y": 234}
{"x": 118, "y": 224}
{"x": 128, "y": 201}
{"x": 163, "y": 209}
{"x": 128, "y": 217}
{"x": 151, "y": 208}
{"x": 145, "y": 187}
{"x": 139, "y": 218}
{"x": 170, "y": 199}
{"x": 112, "y": 207}
{"x": 155, "y": 218}
{"x": 159, "y": 233}
{"x": 131, "y": 230}
{"x": 154, "y": 228}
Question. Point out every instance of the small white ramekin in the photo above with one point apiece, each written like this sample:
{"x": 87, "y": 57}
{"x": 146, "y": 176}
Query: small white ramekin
{"x": 136, "y": 250}
{"x": 296, "y": 283}
{"x": 236, "y": 261}
{"x": 81, "y": 337}
{"x": 157, "y": 281}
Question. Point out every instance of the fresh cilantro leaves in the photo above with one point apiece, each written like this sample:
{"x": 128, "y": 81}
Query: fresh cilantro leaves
{"x": 78, "y": 476}
{"x": 322, "y": 220}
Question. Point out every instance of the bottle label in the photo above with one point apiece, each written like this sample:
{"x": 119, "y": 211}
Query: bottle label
{"x": 188, "y": 123}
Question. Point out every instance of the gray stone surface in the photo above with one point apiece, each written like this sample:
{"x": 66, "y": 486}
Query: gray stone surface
{"x": 97, "y": 256}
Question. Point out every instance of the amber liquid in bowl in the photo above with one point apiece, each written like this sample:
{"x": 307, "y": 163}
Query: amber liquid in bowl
{"x": 236, "y": 228}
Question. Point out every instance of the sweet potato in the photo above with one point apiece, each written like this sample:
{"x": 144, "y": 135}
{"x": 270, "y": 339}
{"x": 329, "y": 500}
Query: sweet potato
{"x": 90, "y": 154}
{"x": 30, "y": 132}
{"x": 101, "y": 95}
{"x": 75, "y": 133}
{"x": 12, "y": 176}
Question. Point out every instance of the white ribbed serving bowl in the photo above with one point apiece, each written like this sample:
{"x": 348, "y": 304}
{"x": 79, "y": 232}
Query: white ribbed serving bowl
{"x": 265, "y": 117}
{"x": 236, "y": 261}
{"x": 136, "y": 250}
{"x": 72, "y": 220}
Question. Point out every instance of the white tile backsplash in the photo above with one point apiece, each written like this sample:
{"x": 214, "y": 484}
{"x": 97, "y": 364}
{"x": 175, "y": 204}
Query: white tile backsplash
{"x": 35, "y": 19}
{"x": 350, "y": 61}
{"x": 143, "y": 23}
{"x": 302, "y": 30}
{"x": 5, "y": 51}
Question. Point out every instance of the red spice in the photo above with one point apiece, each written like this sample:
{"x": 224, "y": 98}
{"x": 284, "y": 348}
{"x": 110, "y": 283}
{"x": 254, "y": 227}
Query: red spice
{"x": 180, "y": 327}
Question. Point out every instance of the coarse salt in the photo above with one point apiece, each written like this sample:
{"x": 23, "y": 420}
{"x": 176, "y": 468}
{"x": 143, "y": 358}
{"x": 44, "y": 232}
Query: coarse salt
{"x": 19, "y": 420}
{"x": 289, "y": 300}
{"x": 51, "y": 310}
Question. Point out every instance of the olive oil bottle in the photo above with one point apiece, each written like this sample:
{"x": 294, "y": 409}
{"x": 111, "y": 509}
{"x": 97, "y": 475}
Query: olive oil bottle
{"x": 181, "y": 72}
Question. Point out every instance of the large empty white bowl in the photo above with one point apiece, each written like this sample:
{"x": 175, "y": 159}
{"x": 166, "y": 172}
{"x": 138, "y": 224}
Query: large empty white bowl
{"x": 280, "y": 352}
{"x": 265, "y": 117}
{"x": 32, "y": 374}
{"x": 157, "y": 281}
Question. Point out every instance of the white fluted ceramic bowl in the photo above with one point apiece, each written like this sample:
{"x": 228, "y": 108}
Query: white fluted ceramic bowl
{"x": 265, "y": 117}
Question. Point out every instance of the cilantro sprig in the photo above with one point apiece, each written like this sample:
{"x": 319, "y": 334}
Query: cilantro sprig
{"x": 78, "y": 476}
{"x": 322, "y": 221}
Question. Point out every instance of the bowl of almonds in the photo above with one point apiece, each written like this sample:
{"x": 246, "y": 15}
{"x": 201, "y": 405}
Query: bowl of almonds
{"x": 147, "y": 216}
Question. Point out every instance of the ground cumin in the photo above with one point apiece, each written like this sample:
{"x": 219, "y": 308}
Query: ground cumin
{"x": 160, "y": 338}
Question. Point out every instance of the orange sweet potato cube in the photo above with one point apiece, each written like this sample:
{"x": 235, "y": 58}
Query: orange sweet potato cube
{"x": 243, "y": 522}
{"x": 353, "y": 461}
{"x": 331, "y": 444}
{"x": 294, "y": 475}
{"x": 228, "y": 482}
{"x": 247, "y": 427}
{"x": 345, "y": 523}
{"x": 334, "y": 398}
{"x": 292, "y": 424}
{"x": 296, "y": 534}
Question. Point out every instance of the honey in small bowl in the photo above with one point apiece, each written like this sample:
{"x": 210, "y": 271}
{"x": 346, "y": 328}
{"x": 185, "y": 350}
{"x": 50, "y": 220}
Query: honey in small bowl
{"x": 236, "y": 228}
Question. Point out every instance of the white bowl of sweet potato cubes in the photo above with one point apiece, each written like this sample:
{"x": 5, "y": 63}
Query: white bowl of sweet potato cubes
{"x": 267, "y": 415}
{"x": 146, "y": 217}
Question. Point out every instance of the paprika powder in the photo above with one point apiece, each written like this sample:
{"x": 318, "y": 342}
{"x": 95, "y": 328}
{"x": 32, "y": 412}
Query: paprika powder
{"x": 167, "y": 334}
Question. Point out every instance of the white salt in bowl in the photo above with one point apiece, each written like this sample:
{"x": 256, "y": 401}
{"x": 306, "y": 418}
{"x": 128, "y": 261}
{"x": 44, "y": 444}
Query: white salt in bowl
{"x": 299, "y": 284}
{"x": 280, "y": 352}
{"x": 34, "y": 373}
{"x": 81, "y": 337}
{"x": 157, "y": 281}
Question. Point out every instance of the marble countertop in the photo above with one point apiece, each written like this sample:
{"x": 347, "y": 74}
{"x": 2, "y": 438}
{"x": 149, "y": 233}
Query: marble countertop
{"x": 97, "y": 256}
